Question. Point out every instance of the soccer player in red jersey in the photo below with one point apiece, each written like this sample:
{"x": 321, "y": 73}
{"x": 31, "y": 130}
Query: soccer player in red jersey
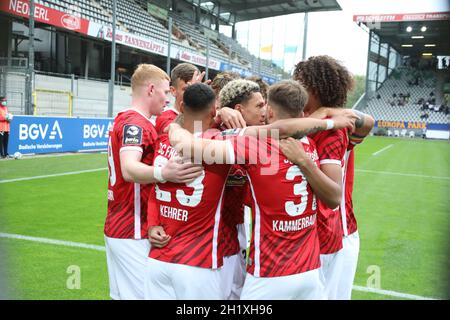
{"x": 284, "y": 254}
{"x": 244, "y": 96}
{"x": 184, "y": 75}
{"x": 328, "y": 83}
{"x": 130, "y": 155}
{"x": 350, "y": 242}
{"x": 180, "y": 77}
{"x": 187, "y": 267}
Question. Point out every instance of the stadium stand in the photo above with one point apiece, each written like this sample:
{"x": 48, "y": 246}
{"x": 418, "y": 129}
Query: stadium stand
{"x": 87, "y": 9}
{"x": 89, "y": 97}
{"x": 69, "y": 72}
{"x": 186, "y": 34}
{"x": 407, "y": 95}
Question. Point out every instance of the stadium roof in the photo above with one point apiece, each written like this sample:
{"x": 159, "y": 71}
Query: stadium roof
{"x": 257, "y": 9}
{"x": 393, "y": 29}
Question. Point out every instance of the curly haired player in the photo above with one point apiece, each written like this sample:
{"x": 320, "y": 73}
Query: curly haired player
{"x": 328, "y": 82}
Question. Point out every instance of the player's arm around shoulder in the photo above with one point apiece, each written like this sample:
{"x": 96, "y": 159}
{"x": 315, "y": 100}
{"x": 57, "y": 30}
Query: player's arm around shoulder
{"x": 325, "y": 187}
{"x": 199, "y": 149}
{"x": 175, "y": 170}
{"x": 301, "y": 127}
{"x": 363, "y": 126}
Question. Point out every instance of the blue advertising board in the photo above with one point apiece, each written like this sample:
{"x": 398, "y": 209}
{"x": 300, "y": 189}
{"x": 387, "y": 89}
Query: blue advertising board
{"x": 31, "y": 134}
{"x": 244, "y": 72}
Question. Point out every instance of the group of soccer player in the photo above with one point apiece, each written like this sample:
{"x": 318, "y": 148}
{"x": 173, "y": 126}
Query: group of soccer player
{"x": 238, "y": 190}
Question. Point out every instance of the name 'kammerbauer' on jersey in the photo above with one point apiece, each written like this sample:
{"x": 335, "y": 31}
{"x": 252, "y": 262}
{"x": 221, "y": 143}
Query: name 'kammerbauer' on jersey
{"x": 127, "y": 201}
{"x": 284, "y": 235}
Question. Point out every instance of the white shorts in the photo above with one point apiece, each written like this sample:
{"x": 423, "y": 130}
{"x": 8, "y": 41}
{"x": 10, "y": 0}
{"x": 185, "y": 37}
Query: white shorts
{"x": 233, "y": 276}
{"x": 126, "y": 259}
{"x": 349, "y": 254}
{"x": 170, "y": 281}
{"x": 302, "y": 286}
{"x": 330, "y": 272}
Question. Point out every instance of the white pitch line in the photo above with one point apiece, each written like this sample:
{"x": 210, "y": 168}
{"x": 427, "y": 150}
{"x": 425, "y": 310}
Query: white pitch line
{"x": 53, "y": 241}
{"x": 102, "y": 248}
{"x": 403, "y": 174}
{"x": 391, "y": 293}
{"x": 52, "y": 175}
{"x": 380, "y": 151}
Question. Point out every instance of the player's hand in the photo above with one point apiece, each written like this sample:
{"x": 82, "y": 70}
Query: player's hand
{"x": 231, "y": 118}
{"x": 345, "y": 119}
{"x": 176, "y": 124}
{"x": 179, "y": 171}
{"x": 198, "y": 78}
{"x": 158, "y": 237}
{"x": 293, "y": 150}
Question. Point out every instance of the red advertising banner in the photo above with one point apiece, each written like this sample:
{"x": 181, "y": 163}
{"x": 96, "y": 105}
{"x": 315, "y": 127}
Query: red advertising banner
{"x": 44, "y": 14}
{"x": 429, "y": 16}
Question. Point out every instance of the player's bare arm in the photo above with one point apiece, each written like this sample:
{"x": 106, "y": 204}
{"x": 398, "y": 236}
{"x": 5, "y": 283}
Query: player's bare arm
{"x": 363, "y": 126}
{"x": 301, "y": 127}
{"x": 190, "y": 146}
{"x": 231, "y": 118}
{"x": 175, "y": 171}
{"x": 324, "y": 187}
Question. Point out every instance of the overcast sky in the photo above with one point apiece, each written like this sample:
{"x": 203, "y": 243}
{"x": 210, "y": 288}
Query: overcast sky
{"x": 333, "y": 33}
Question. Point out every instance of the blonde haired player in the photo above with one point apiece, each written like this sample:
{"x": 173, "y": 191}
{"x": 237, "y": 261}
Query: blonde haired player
{"x": 130, "y": 155}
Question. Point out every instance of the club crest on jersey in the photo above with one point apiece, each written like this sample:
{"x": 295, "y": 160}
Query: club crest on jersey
{"x": 132, "y": 134}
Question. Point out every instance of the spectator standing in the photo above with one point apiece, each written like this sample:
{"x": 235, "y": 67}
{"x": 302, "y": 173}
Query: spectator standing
{"x": 5, "y": 119}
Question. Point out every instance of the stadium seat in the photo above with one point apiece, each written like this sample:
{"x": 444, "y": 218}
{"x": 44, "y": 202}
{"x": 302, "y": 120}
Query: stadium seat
{"x": 412, "y": 134}
{"x": 403, "y": 132}
{"x": 389, "y": 133}
{"x": 396, "y": 133}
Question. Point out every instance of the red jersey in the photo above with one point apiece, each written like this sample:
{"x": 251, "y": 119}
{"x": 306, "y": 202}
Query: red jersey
{"x": 233, "y": 206}
{"x": 331, "y": 147}
{"x": 190, "y": 214}
{"x": 284, "y": 235}
{"x": 349, "y": 224}
{"x": 168, "y": 115}
{"x": 233, "y": 209}
{"x": 127, "y": 201}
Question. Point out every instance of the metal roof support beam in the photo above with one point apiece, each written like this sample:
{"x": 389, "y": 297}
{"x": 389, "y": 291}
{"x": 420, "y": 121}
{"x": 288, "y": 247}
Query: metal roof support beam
{"x": 217, "y": 15}
{"x": 197, "y": 12}
{"x": 252, "y": 5}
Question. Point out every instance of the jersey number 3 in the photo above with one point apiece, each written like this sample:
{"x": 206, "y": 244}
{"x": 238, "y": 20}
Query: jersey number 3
{"x": 300, "y": 189}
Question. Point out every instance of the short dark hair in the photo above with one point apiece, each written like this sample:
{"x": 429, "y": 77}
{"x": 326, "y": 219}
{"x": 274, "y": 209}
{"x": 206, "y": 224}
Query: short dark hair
{"x": 289, "y": 97}
{"x": 263, "y": 86}
{"x": 222, "y": 79}
{"x": 198, "y": 97}
{"x": 183, "y": 71}
{"x": 326, "y": 78}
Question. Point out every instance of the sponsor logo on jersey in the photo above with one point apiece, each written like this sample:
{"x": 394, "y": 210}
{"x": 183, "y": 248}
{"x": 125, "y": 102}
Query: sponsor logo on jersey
{"x": 132, "y": 134}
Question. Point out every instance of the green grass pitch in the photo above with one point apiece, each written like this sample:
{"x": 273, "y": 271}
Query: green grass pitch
{"x": 401, "y": 202}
